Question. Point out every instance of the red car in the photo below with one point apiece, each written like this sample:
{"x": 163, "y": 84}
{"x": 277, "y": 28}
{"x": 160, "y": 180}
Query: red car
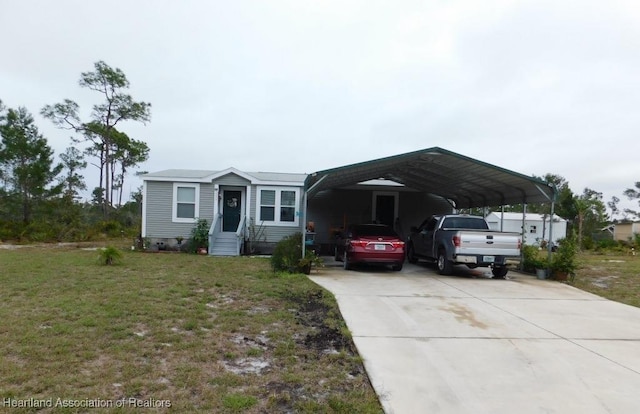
{"x": 371, "y": 243}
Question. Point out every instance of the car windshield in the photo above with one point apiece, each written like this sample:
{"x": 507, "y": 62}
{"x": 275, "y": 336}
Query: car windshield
{"x": 472, "y": 223}
{"x": 373, "y": 230}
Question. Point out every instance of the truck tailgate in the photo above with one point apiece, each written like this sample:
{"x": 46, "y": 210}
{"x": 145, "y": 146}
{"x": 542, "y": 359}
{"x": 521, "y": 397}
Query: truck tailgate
{"x": 497, "y": 244}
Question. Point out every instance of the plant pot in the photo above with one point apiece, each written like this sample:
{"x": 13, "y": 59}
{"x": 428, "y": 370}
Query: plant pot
{"x": 541, "y": 273}
{"x": 558, "y": 275}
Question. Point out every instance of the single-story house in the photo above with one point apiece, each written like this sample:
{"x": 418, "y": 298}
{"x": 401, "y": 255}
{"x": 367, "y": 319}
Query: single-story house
{"x": 536, "y": 226}
{"x": 252, "y": 211}
{"x": 625, "y": 231}
{"x": 239, "y": 206}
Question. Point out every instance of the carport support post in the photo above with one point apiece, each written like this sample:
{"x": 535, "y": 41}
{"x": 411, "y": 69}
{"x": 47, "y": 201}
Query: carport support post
{"x": 304, "y": 223}
{"x": 553, "y": 205}
{"x": 522, "y": 230}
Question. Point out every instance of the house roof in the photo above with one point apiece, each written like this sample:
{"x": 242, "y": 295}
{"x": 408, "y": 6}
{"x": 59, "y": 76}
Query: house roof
{"x": 465, "y": 181}
{"x": 208, "y": 175}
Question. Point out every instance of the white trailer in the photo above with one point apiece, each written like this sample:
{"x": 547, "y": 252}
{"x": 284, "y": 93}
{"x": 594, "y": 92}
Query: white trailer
{"x": 536, "y": 226}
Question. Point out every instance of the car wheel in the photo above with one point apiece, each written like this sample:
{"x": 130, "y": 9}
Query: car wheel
{"x": 411, "y": 255}
{"x": 444, "y": 266}
{"x": 397, "y": 267}
{"x": 345, "y": 262}
{"x": 499, "y": 272}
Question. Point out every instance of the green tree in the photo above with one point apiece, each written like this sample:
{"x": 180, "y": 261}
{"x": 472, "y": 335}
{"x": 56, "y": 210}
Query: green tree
{"x": 27, "y": 162}
{"x": 633, "y": 194}
{"x": 127, "y": 153}
{"x": 613, "y": 206}
{"x": 590, "y": 213}
{"x": 100, "y": 130}
{"x": 73, "y": 161}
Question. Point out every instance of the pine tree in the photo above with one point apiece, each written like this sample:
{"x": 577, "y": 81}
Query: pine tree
{"x": 27, "y": 162}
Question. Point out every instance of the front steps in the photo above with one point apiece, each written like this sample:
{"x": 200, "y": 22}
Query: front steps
{"x": 224, "y": 244}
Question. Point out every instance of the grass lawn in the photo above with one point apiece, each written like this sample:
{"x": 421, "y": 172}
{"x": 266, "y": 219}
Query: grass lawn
{"x": 614, "y": 276}
{"x": 199, "y": 333}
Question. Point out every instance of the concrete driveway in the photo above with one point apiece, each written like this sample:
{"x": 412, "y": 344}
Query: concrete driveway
{"x": 470, "y": 344}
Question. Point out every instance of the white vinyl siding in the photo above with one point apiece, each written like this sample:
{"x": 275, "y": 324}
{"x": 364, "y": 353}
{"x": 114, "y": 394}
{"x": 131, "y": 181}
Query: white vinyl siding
{"x": 278, "y": 206}
{"x": 186, "y": 208}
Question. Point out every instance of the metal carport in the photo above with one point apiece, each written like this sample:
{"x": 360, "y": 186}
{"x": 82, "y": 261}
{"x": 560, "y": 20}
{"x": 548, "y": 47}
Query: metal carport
{"x": 464, "y": 182}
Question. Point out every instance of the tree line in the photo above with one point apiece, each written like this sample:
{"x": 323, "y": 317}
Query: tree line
{"x": 40, "y": 196}
{"x": 586, "y": 213}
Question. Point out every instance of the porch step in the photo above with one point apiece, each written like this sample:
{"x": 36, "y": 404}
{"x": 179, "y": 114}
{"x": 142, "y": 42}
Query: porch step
{"x": 225, "y": 244}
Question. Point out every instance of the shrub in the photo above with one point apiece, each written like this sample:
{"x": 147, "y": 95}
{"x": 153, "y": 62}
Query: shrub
{"x": 531, "y": 259}
{"x": 109, "y": 255}
{"x": 287, "y": 253}
{"x": 110, "y": 228}
{"x": 608, "y": 244}
{"x": 564, "y": 259}
{"x": 199, "y": 235}
{"x": 287, "y": 256}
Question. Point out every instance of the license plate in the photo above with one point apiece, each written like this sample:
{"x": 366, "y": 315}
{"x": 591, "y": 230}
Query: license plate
{"x": 380, "y": 247}
{"x": 488, "y": 259}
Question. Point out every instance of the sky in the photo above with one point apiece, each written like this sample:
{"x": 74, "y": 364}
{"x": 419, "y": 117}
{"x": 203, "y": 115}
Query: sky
{"x": 301, "y": 85}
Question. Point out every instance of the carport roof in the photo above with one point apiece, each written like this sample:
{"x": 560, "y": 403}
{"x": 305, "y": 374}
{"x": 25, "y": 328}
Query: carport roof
{"x": 463, "y": 180}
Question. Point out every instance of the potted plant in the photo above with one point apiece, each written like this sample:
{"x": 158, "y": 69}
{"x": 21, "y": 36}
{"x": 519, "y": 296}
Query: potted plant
{"x": 200, "y": 237}
{"x": 532, "y": 262}
{"x": 563, "y": 263}
{"x": 310, "y": 259}
{"x": 539, "y": 266}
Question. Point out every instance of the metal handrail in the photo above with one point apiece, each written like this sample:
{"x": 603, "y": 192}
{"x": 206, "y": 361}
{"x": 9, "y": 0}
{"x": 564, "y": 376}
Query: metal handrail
{"x": 240, "y": 232}
{"x": 212, "y": 230}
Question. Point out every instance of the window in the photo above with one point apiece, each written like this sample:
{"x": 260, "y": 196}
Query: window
{"x": 277, "y": 206}
{"x": 185, "y": 202}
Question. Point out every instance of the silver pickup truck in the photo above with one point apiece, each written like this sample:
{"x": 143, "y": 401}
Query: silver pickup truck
{"x": 463, "y": 239}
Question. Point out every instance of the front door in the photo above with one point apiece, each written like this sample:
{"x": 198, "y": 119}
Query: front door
{"x": 385, "y": 209}
{"x": 231, "y": 209}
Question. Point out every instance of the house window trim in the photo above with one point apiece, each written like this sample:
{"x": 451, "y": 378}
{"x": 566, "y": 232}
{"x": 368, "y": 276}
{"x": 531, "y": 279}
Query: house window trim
{"x": 174, "y": 213}
{"x": 278, "y": 205}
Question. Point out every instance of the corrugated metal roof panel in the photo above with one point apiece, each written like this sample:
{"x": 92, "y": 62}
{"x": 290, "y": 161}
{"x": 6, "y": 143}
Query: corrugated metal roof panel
{"x": 463, "y": 180}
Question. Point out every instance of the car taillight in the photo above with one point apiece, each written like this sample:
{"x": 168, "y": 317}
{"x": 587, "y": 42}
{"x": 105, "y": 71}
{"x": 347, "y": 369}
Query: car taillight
{"x": 397, "y": 245}
{"x": 456, "y": 241}
{"x": 359, "y": 243}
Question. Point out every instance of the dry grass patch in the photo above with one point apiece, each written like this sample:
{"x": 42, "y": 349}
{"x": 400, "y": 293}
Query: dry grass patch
{"x": 613, "y": 276}
{"x": 207, "y": 334}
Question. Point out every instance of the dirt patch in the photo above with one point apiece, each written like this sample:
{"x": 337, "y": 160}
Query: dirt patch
{"x": 603, "y": 281}
{"x": 313, "y": 312}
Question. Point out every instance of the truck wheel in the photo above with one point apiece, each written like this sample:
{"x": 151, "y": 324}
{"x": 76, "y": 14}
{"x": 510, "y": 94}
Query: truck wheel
{"x": 499, "y": 272}
{"x": 411, "y": 254}
{"x": 345, "y": 262}
{"x": 444, "y": 266}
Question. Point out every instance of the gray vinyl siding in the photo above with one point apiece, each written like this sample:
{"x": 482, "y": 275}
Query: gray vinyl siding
{"x": 159, "y": 208}
{"x": 231, "y": 180}
{"x": 272, "y": 234}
